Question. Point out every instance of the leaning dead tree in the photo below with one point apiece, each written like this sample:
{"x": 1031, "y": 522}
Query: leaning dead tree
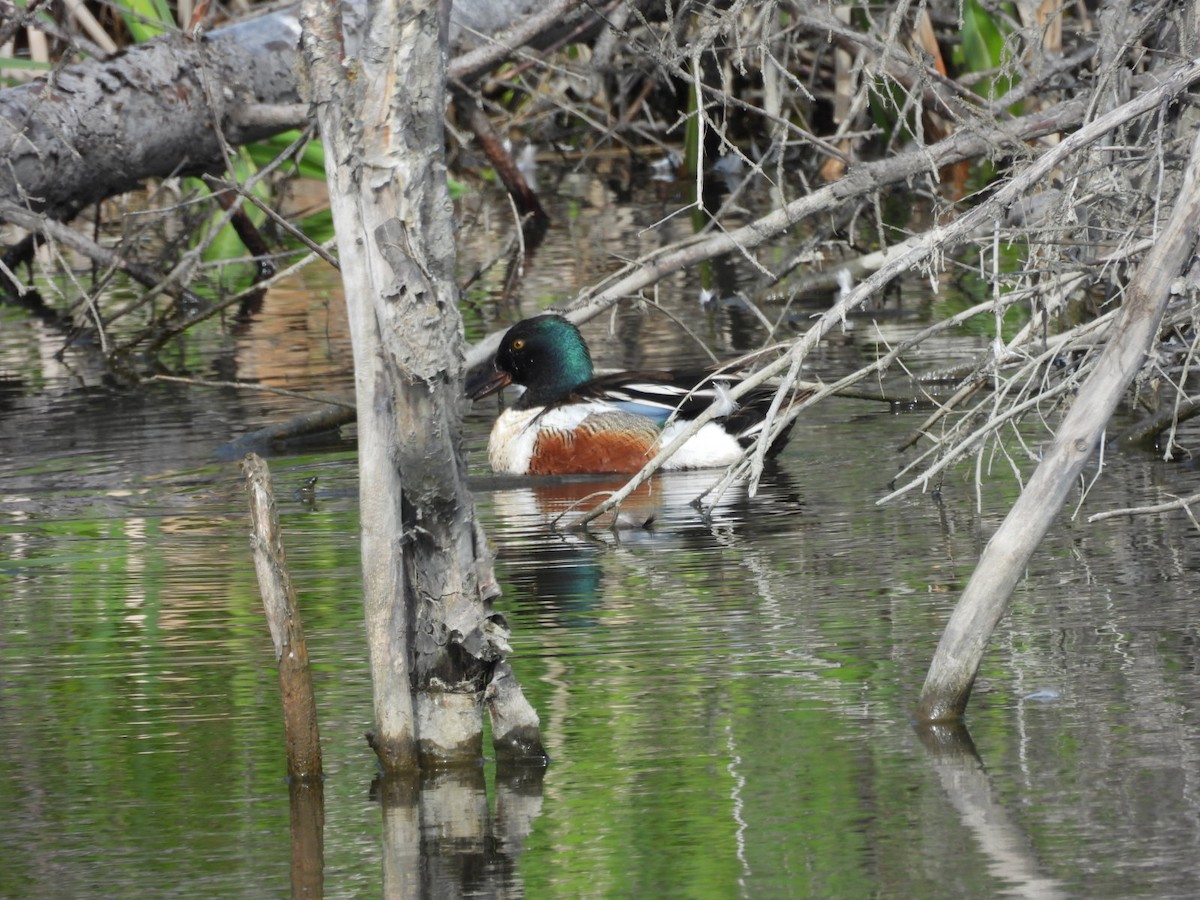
{"x": 1128, "y": 345}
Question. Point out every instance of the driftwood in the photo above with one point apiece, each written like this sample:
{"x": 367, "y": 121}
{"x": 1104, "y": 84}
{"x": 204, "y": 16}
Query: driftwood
{"x": 99, "y": 127}
{"x": 1147, "y": 431}
{"x": 333, "y": 414}
{"x": 934, "y": 240}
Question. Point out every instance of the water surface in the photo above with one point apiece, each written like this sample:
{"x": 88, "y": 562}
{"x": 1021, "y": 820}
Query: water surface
{"x": 725, "y": 696}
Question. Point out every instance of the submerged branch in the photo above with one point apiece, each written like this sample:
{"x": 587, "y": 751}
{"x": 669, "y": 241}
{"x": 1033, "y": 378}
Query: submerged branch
{"x": 283, "y": 618}
{"x": 1148, "y": 430}
{"x": 1184, "y": 503}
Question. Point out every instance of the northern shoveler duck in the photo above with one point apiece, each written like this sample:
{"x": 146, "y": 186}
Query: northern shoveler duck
{"x": 570, "y": 422}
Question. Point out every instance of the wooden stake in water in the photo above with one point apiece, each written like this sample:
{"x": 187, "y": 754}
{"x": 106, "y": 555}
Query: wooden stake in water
{"x": 283, "y": 619}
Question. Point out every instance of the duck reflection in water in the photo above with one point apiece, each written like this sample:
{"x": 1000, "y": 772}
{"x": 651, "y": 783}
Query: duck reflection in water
{"x": 558, "y": 574}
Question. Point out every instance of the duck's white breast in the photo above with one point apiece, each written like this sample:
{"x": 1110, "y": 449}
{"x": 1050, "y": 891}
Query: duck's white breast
{"x": 515, "y": 435}
{"x": 516, "y": 431}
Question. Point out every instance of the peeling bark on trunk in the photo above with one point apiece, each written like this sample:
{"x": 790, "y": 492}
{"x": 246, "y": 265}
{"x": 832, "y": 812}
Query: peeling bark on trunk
{"x": 433, "y": 638}
{"x": 357, "y": 210}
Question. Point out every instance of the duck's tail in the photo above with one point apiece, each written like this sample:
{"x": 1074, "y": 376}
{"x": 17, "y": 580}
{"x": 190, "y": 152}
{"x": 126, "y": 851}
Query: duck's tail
{"x": 749, "y": 420}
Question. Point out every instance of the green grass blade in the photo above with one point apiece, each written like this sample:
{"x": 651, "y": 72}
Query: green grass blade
{"x": 146, "y": 18}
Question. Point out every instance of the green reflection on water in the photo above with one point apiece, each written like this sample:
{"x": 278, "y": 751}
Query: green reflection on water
{"x": 725, "y": 702}
{"x": 140, "y": 712}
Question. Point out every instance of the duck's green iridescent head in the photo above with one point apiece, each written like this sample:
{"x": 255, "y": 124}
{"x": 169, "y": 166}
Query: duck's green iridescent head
{"x": 547, "y": 355}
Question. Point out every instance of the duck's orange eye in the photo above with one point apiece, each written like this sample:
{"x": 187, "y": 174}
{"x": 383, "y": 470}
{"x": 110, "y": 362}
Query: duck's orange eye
{"x": 518, "y": 344}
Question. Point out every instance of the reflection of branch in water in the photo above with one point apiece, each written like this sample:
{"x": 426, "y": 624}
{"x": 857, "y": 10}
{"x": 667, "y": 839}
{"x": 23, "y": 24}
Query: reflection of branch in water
{"x": 1006, "y": 845}
{"x": 437, "y": 831}
{"x": 551, "y": 502}
{"x": 307, "y": 814}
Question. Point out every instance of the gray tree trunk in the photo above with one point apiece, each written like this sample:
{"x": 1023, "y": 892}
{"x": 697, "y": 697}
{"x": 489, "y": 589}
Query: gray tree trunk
{"x": 434, "y": 640}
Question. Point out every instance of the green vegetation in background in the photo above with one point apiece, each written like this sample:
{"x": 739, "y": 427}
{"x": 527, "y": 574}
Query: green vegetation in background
{"x": 146, "y": 19}
{"x": 984, "y": 48}
{"x": 974, "y": 286}
{"x": 308, "y": 164}
{"x": 226, "y": 245}
{"x": 887, "y": 102}
{"x": 15, "y": 63}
